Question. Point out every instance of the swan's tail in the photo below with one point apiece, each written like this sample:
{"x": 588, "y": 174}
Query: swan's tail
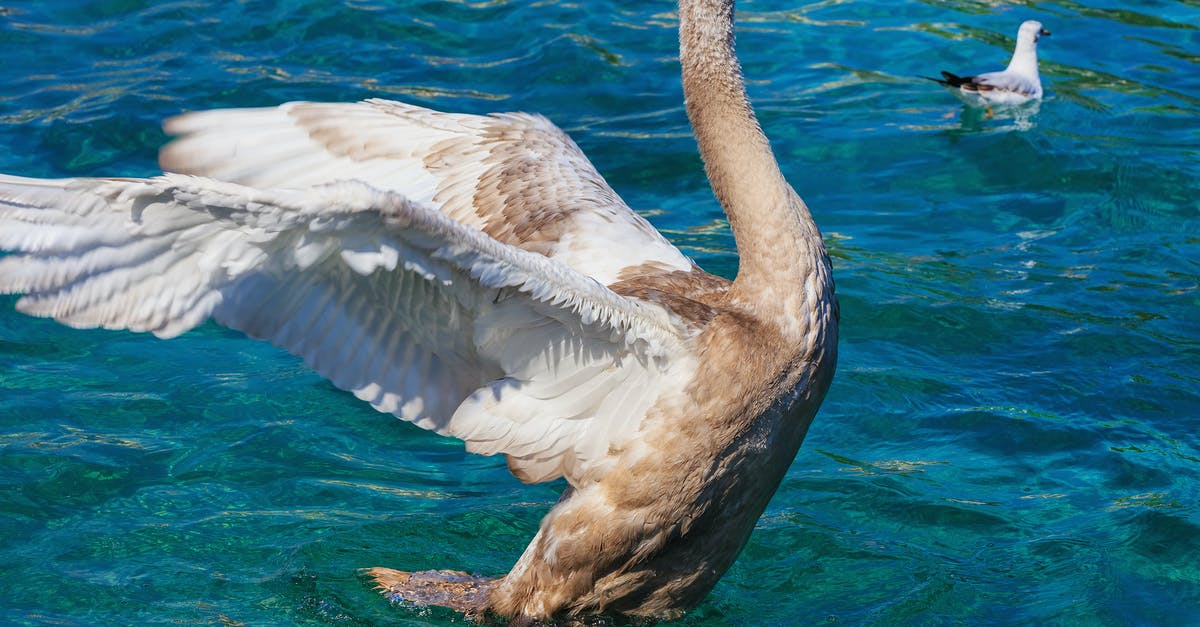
{"x": 453, "y": 589}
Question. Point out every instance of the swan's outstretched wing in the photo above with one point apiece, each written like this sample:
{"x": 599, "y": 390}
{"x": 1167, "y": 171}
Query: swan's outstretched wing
{"x": 418, "y": 314}
{"x": 515, "y": 176}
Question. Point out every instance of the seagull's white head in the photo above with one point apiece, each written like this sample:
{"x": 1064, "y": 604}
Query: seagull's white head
{"x": 1031, "y": 31}
{"x": 1024, "y": 59}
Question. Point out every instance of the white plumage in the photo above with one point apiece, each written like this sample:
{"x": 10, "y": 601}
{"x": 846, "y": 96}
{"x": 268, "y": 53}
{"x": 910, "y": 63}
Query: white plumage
{"x": 417, "y": 314}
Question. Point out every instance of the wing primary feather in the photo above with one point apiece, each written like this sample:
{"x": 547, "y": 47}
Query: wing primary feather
{"x": 424, "y": 317}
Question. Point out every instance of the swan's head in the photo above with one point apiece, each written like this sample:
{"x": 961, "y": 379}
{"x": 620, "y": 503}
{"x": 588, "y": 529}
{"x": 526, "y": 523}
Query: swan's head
{"x": 1031, "y": 31}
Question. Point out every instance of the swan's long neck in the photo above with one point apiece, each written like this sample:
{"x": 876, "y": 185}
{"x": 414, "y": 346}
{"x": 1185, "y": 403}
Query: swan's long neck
{"x": 782, "y": 258}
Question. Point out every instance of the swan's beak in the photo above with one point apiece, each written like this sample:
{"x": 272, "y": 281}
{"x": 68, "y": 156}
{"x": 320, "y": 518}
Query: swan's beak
{"x": 1043, "y": 32}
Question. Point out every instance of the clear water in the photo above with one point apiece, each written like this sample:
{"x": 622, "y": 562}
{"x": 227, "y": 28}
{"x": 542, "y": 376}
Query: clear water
{"x": 1011, "y": 437}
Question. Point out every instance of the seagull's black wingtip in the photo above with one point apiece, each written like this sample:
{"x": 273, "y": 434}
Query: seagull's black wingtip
{"x": 948, "y": 79}
{"x": 954, "y": 80}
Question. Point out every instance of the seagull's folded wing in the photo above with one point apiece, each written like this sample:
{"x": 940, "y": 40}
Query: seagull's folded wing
{"x": 1009, "y": 82}
{"x": 420, "y": 315}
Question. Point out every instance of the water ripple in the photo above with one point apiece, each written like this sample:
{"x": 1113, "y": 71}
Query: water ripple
{"x": 1010, "y": 438}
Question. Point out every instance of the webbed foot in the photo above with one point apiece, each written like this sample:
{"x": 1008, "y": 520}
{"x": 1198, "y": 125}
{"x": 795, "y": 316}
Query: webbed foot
{"x": 453, "y": 589}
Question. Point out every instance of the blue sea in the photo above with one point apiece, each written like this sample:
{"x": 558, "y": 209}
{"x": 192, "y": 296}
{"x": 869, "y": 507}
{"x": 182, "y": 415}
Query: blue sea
{"x": 1011, "y": 437}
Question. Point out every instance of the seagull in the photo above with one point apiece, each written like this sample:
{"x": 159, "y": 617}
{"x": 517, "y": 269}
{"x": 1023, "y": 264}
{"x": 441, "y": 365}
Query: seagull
{"x": 1015, "y": 85}
{"x": 476, "y": 276}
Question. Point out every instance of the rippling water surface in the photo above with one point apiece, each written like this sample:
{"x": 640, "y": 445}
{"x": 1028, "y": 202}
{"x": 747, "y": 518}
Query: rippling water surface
{"x": 1012, "y": 434}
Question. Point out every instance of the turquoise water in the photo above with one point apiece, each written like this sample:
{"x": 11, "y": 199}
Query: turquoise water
{"x": 1011, "y": 437}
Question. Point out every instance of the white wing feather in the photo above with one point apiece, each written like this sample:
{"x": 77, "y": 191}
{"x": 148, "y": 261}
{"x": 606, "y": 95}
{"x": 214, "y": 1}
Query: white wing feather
{"x": 515, "y": 176}
{"x": 1010, "y": 82}
{"x": 421, "y": 316}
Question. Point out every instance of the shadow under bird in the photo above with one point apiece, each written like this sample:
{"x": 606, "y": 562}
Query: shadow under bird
{"x": 1017, "y": 84}
{"x": 476, "y": 276}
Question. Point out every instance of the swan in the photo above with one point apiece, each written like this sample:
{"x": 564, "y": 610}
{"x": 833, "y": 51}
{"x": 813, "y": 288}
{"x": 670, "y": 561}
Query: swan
{"x": 1017, "y": 84}
{"x": 476, "y": 276}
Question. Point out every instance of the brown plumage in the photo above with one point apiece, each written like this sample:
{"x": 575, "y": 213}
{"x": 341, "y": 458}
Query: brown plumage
{"x": 653, "y": 536}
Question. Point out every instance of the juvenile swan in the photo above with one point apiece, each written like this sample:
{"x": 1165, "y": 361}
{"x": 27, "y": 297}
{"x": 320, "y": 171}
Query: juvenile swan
{"x": 476, "y": 276}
